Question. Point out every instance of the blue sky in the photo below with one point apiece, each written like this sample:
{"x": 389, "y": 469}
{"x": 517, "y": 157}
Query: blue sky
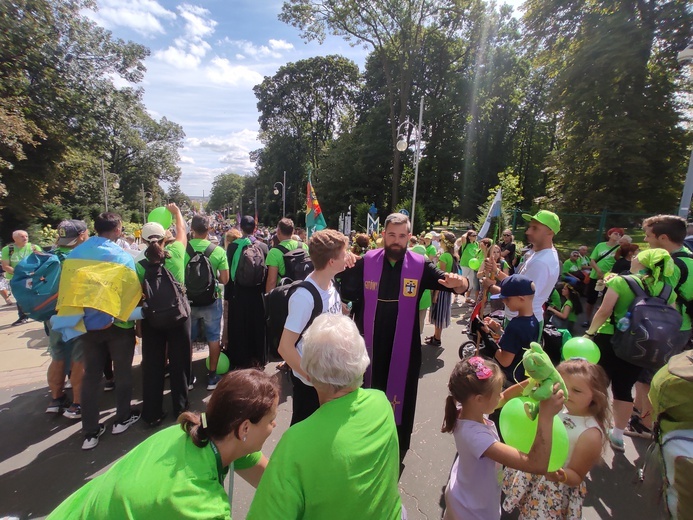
{"x": 205, "y": 59}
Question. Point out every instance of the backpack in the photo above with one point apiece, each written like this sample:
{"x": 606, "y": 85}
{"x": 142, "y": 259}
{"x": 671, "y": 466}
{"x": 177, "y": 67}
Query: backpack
{"x": 251, "y": 268}
{"x": 35, "y": 284}
{"x": 653, "y": 334}
{"x": 297, "y": 263}
{"x": 683, "y": 268}
{"x": 200, "y": 278}
{"x": 668, "y": 468}
{"x": 165, "y": 304}
{"x": 277, "y": 310}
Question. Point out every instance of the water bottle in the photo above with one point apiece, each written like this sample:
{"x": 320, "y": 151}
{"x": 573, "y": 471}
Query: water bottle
{"x": 624, "y": 322}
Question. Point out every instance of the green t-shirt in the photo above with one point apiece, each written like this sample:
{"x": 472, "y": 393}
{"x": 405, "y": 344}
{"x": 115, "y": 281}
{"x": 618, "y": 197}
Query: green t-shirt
{"x": 606, "y": 263}
{"x": 175, "y": 263}
{"x": 686, "y": 289}
{"x": 425, "y": 301}
{"x": 625, "y": 298}
{"x": 18, "y": 254}
{"x": 570, "y": 267}
{"x": 341, "y": 463}
{"x": 555, "y": 299}
{"x": 571, "y": 315}
{"x": 166, "y": 476}
{"x": 275, "y": 257}
{"x": 431, "y": 251}
{"x": 217, "y": 258}
{"x": 446, "y": 258}
{"x": 469, "y": 251}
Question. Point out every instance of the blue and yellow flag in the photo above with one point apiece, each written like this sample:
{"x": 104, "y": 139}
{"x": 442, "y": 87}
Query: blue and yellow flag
{"x": 315, "y": 221}
{"x": 98, "y": 284}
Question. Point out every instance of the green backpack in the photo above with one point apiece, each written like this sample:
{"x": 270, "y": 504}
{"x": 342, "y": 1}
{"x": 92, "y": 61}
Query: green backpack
{"x": 668, "y": 468}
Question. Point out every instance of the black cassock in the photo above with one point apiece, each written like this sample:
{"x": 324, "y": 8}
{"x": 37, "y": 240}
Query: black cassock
{"x": 351, "y": 289}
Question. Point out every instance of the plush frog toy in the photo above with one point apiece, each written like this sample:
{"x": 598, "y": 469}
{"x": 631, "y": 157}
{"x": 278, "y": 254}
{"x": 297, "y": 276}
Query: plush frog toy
{"x": 542, "y": 377}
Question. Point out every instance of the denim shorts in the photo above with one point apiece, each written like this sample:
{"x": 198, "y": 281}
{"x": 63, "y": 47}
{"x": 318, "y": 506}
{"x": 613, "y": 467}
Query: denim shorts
{"x": 211, "y": 315}
{"x": 60, "y": 350}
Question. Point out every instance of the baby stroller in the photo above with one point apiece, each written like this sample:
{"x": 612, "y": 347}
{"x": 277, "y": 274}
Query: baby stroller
{"x": 478, "y": 337}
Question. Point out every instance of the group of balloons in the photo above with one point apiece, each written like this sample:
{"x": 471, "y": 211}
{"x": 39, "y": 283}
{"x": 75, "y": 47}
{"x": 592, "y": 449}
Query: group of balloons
{"x": 519, "y": 430}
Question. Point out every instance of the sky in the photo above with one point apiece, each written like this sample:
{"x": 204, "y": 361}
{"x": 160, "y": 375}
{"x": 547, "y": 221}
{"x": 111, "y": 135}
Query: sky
{"x": 205, "y": 59}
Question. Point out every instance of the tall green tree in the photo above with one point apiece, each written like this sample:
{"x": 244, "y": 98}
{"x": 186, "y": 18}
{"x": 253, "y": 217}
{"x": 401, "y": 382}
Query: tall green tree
{"x": 227, "y": 190}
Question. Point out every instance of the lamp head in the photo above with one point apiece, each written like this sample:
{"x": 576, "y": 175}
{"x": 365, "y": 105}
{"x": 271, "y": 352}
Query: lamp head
{"x": 276, "y": 191}
{"x": 116, "y": 185}
{"x": 402, "y": 144}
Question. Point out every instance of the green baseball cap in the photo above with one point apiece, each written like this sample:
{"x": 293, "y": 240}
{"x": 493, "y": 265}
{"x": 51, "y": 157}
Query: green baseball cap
{"x": 548, "y": 218}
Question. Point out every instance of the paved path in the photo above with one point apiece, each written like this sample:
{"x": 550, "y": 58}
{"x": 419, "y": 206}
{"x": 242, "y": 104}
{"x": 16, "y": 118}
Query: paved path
{"x": 41, "y": 461}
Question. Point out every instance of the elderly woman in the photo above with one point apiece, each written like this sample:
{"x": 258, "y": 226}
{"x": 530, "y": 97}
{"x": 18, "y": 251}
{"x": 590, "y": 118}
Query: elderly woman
{"x": 650, "y": 269}
{"x": 342, "y": 462}
{"x": 179, "y": 472}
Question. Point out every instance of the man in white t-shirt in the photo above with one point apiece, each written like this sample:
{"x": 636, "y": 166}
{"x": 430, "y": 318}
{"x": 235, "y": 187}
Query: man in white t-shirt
{"x": 327, "y": 249}
{"x": 542, "y": 266}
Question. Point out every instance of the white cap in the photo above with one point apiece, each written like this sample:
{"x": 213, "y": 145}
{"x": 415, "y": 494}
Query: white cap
{"x": 153, "y": 230}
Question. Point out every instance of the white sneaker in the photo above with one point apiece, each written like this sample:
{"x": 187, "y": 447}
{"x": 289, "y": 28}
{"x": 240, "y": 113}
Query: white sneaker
{"x": 120, "y": 427}
{"x": 91, "y": 441}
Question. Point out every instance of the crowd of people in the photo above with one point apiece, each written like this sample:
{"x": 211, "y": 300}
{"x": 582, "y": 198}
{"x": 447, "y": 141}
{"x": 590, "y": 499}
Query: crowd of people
{"x": 351, "y": 342}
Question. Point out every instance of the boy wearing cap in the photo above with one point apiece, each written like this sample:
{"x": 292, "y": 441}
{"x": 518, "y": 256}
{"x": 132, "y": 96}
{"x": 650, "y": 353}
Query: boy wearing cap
{"x": 518, "y": 293}
{"x": 602, "y": 259}
{"x": 71, "y": 233}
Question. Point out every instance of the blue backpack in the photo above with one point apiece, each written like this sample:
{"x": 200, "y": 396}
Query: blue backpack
{"x": 35, "y": 284}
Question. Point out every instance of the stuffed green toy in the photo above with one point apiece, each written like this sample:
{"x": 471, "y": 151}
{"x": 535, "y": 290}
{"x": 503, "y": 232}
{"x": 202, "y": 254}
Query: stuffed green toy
{"x": 542, "y": 377}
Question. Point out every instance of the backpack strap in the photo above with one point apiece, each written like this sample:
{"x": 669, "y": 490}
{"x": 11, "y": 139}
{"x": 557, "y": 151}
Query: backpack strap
{"x": 188, "y": 249}
{"x": 144, "y": 263}
{"x": 684, "y": 271}
{"x": 606, "y": 253}
{"x": 209, "y": 250}
{"x": 317, "y": 300}
{"x": 635, "y": 287}
{"x": 283, "y": 249}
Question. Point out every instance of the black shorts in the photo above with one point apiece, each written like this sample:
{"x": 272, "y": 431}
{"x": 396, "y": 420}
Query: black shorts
{"x": 623, "y": 375}
{"x": 591, "y": 293}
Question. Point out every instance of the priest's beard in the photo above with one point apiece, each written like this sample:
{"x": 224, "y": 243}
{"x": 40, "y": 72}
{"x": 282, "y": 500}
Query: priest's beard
{"x": 395, "y": 252}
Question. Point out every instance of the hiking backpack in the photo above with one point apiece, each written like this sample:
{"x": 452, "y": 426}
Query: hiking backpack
{"x": 200, "y": 278}
{"x": 653, "y": 333}
{"x": 164, "y": 304}
{"x": 297, "y": 263}
{"x": 277, "y": 310}
{"x": 668, "y": 468}
{"x": 251, "y": 269}
{"x": 35, "y": 284}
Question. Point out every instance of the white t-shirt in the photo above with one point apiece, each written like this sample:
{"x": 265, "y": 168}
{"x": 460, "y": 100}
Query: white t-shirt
{"x": 301, "y": 308}
{"x": 543, "y": 268}
{"x": 474, "y": 491}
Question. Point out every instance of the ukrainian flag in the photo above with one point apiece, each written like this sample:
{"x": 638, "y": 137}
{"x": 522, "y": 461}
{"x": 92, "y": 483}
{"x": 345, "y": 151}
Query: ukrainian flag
{"x": 98, "y": 284}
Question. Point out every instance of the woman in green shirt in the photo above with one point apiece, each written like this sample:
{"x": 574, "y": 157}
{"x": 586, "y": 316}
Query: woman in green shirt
{"x": 180, "y": 471}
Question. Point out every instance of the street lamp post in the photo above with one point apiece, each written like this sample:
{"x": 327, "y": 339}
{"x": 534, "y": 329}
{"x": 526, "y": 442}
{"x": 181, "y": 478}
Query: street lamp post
{"x": 146, "y": 196}
{"x": 276, "y": 192}
{"x": 104, "y": 178}
{"x": 686, "y": 57}
{"x": 403, "y": 144}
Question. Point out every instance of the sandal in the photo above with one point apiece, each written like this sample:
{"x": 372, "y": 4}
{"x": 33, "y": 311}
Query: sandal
{"x": 433, "y": 341}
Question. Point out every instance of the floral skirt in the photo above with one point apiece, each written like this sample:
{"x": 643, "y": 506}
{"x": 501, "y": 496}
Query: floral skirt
{"x": 538, "y": 498}
{"x": 4, "y": 283}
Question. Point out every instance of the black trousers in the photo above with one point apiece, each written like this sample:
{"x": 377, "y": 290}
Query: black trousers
{"x": 305, "y": 400}
{"x": 154, "y": 350}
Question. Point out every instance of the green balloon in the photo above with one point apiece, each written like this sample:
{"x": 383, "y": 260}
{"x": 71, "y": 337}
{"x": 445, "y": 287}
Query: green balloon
{"x": 579, "y": 347}
{"x": 160, "y": 215}
{"x": 519, "y": 431}
{"x": 223, "y": 364}
{"x": 474, "y": 264}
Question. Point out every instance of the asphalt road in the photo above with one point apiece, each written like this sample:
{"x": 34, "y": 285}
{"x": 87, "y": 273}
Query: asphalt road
{"x": 41, "y": 461}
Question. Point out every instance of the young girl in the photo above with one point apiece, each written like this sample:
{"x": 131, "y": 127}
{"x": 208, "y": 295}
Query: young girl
{"x": 571, "y": 307}
{"x": 559, "y": 494}
{"x": 440, "y": 311}
{"x": 473, "y": 491}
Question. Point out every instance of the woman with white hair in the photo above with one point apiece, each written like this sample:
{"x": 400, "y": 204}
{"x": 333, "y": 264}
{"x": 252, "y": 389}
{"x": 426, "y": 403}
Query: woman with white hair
{"x": 342, "y": 462}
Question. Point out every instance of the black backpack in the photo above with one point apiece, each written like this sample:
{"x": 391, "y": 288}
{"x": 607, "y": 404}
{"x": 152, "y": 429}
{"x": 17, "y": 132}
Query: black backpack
{"x": 251, "y": 268}
{"x": 277, "y": 310}
{"x": 653, "y": 334}
{"x": 200, "y": 278}
{"x": 164, "y": 303}
{"x": 683, "y": 268}
{"x": 297, "y": 263}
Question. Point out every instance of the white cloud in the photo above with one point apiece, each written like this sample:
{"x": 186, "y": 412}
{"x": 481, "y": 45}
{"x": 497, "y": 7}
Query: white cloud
{"x": 244, "y": 138}
{"x": 221, "y": 72}
{"x": 184, "y": 159}
{"x": 178, "y": 58}
{"x": 280, "y": 45}
{"x": 198, "y": 24}
{"x": 142, "y": 16}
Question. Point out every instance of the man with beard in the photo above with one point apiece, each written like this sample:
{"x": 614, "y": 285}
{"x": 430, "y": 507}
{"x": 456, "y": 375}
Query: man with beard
{"x": 385, "y": 287}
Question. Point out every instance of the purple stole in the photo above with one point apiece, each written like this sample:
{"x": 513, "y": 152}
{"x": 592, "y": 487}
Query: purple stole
{"x": 407, "y": 314}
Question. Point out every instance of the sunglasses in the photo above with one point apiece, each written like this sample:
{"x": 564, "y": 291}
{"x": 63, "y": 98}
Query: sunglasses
{"x": 472, "y": 236}
{"x": 507, "y": 235}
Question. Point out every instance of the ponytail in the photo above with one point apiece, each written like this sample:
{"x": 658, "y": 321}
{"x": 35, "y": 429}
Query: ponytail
{"x": 191, "y": 423}
{"x": 450, "y": 419}
{"x": 156, "y": 254}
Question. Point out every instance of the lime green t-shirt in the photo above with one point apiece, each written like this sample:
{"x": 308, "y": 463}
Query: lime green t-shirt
{"x": 606, "y": 263}
{"x": 571, "y": 315}
{"x": 175, "y": 263}
{"x": 18, "y": 254}
{"x": 686, "y": 289}
{"x": 446, "y": 259}
{"x": 341, "y": 463}
{"x": 469, "y": 251}
{"x": 275, "y": 257}
{"x": 217, "y": 258}
{"x": 570, "y": 267}
{"x": 431, "y": 251}
{"x": 625, "y": 298}
{"x": 166, "y": 476}
{"x": 425, "y": 301}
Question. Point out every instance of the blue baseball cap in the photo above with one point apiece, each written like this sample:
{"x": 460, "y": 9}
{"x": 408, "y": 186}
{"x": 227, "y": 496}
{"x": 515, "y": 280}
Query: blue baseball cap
{"x": 516, "y": 285}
